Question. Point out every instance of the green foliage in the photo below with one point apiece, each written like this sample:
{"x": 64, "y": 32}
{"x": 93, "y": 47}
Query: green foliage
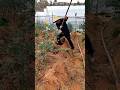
{"x": 46, "y": 46}
{"x": 82, "y": 26}
{"x": 37, "y": 31}
{"x": 36, "y": 34}
{"x": 39, "y": 26}
{"x": 44, "y": 26}
{"x": 51, "y": 27}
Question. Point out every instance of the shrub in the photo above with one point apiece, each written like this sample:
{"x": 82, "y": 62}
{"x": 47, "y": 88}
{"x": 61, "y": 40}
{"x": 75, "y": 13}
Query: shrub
{"x": 46, "y": 46}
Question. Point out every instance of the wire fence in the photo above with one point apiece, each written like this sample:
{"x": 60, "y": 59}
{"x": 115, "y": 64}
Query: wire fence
{"x": 74, "y": 22}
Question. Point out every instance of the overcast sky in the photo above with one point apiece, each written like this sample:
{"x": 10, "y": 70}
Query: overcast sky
{"x": 68, "y": 1}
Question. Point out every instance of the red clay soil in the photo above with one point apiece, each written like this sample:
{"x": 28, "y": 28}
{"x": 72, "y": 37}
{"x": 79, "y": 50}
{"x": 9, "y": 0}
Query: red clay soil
{"x": 65, "y": 70}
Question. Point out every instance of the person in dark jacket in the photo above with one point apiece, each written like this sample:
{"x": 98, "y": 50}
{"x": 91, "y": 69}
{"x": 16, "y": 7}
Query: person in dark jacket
{"x": 61, "y": 25}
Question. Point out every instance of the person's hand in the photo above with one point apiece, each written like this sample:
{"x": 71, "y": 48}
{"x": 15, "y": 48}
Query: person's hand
{"x": 65, "y": 17}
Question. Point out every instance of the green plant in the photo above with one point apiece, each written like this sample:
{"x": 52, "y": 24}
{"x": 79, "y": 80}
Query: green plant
{"x": 36, "y": 34}
{"x": 37, "y": 31}
{"x": 45, "y": 46}
{"x": 83, "y": 26}
{"x": 44, "y": 26}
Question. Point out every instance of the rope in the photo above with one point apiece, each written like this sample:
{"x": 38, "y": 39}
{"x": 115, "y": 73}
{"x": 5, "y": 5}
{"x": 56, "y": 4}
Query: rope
{"x": 66, "y": 12}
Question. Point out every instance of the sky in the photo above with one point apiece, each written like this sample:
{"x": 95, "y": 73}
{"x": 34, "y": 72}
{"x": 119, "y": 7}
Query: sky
{"x": 74, "y": 1}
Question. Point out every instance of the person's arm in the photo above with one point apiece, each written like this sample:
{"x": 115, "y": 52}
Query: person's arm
{"x": 58, "y": 23}
{"x": 65, "y": 18}
{"x": 55, "y": 21}
{"x": 63, "y": 22}
{"x": 58, "y": 26}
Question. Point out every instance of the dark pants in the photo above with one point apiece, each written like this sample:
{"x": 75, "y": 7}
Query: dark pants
{"x": 67, "y": 36}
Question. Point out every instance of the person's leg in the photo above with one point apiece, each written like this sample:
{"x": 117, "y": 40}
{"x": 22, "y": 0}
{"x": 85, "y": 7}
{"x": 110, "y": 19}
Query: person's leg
{"x": 70, "y": 42}
{"x": 59, "y": 37}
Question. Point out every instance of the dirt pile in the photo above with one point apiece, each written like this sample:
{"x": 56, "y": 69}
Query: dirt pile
{"x": 63, "y": 71}
{"x": 64, "y": 74}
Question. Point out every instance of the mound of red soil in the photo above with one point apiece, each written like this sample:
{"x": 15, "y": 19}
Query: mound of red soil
{"x": 64, "y": 71}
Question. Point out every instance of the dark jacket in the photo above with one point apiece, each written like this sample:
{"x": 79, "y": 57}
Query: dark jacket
{"x": 64, "y": 28}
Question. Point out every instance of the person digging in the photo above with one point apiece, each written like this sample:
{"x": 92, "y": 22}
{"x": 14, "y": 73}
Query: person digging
{"x": 63, "y": 31}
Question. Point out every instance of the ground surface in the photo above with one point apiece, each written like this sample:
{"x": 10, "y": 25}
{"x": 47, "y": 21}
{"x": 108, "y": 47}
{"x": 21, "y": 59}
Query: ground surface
{"x": 63, "y": 70}
{"x": 99, "y": 74}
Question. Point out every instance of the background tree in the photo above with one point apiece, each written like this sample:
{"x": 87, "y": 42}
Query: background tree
{"x": 55, "y": 0}
{"x": 51, "y": 3}
{"x": 41, "y": 5}
{"x": 78, "y": 3}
